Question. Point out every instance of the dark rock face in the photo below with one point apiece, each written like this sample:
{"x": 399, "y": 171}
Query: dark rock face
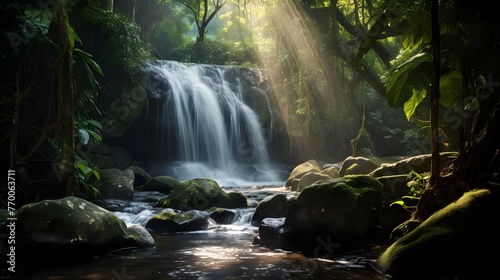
{"x": 274, "y": 206}
{"x": 456, "y": 242}
{"x": 270, "y": 232}
{"x": 72, "y": 227}
{"x": 344, "y": 212}
{"x": 116, "y": 184}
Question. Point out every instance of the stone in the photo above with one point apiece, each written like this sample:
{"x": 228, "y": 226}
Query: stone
{"x": 201, "y": 194}
{"x": 116, "y": 184}
{"x": 357, "y": 166}
{"x": 72, "y": 228}
{"x": 456, "y": 242}
{"x": 342, "y": 211}
{"x": 171, "y": 221}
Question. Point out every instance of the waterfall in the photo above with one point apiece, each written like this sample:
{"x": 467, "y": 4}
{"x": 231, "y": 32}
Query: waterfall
{"x": 206, "y": 126}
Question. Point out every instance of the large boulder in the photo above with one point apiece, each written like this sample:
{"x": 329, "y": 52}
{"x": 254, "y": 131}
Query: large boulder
{"x": 343, "y": 211}
{"x": 201, "y": 194}
{"x": 459, "y": 241}
{"x": 116, "y": 184}
{"x": 72, "y": 227}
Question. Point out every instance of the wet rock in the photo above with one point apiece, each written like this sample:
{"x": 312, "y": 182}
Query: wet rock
{"x": 273, "y": 206}
{"x": 72, "y": 227}
{"x": 171, "y": 221}
{"x": 270, "y": 232}
{"x": 224, "y": 216}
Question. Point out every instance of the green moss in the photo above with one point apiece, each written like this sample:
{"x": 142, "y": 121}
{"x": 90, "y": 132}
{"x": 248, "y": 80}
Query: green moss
{"x": 176, "y": 217}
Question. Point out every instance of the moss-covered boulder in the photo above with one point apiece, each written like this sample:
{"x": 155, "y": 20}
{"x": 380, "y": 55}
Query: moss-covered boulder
{"x": 116, "y": 184}
{"x": 343, "y": 211}
{"x": 163, "y": 184}
{"x": 72, "y": 227}
{"x": 171, "y": 221}
{"x": 201, "y": 194}
{"x": 459, "y": 241}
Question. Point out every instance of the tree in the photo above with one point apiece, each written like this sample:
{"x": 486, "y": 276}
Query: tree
{"x": 202, "y": 14}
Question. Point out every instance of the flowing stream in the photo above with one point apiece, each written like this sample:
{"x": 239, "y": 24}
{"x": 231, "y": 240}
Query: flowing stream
{"x": 221, "y": 252}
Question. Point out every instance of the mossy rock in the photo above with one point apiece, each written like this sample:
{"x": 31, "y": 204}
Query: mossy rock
{"x": 457, "y": 242}
{"x": 201, "y": 194}
{"x": 170, "y": 221}
{"x": 72, "y": 227}
{"x": 163, "y": 184}
{"x": 343, "y": 211}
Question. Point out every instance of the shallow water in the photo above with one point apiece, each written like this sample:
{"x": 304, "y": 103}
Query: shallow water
{"x": 203, "y": 255}
{"x": 222, "y": 252}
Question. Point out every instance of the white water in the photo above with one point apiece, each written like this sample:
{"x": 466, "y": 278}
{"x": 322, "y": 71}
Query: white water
{"x": 208, "y": 129}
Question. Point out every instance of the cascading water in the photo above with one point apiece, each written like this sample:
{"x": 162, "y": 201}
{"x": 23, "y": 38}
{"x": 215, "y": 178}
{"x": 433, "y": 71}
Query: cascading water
{"x": 208, "y": 129}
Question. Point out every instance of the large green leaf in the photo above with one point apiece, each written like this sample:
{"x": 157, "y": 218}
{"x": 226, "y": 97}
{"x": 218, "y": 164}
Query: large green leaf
{"x": 409, "y": 78}
{"x": 451, "y": 89}
{"x": 411, "y": 105}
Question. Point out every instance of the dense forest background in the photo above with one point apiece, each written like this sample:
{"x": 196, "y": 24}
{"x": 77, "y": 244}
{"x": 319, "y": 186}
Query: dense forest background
{"x": 354, "y": 77}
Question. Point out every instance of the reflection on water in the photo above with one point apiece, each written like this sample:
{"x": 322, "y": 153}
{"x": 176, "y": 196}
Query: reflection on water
{"x": 202, "y": 255}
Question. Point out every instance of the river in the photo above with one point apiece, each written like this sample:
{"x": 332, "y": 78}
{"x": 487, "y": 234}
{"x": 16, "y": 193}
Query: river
{"x": 221, "y": 252}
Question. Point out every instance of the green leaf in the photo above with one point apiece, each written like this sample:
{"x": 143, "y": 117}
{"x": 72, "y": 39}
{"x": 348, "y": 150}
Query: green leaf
{"x": 451, "y": 89}
{"x": 83, "y": 136}
{"x": 409, "y": 78}
{"x": 95, "y": 135}
{"x": 83, "y": 167}
{"x": 40, "y": 18}
{"x": 96, "y": 174}
{"x": 73, "y": 37}
{"x": 95, "y": 123}
{"x": 86, "y": 57}
{"x": 411, "y": 105}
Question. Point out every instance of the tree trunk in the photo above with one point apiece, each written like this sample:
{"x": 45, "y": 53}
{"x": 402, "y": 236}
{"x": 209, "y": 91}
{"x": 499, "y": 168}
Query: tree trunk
{"x": 436, "y": 74}
{"x": 66, "y": 93}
